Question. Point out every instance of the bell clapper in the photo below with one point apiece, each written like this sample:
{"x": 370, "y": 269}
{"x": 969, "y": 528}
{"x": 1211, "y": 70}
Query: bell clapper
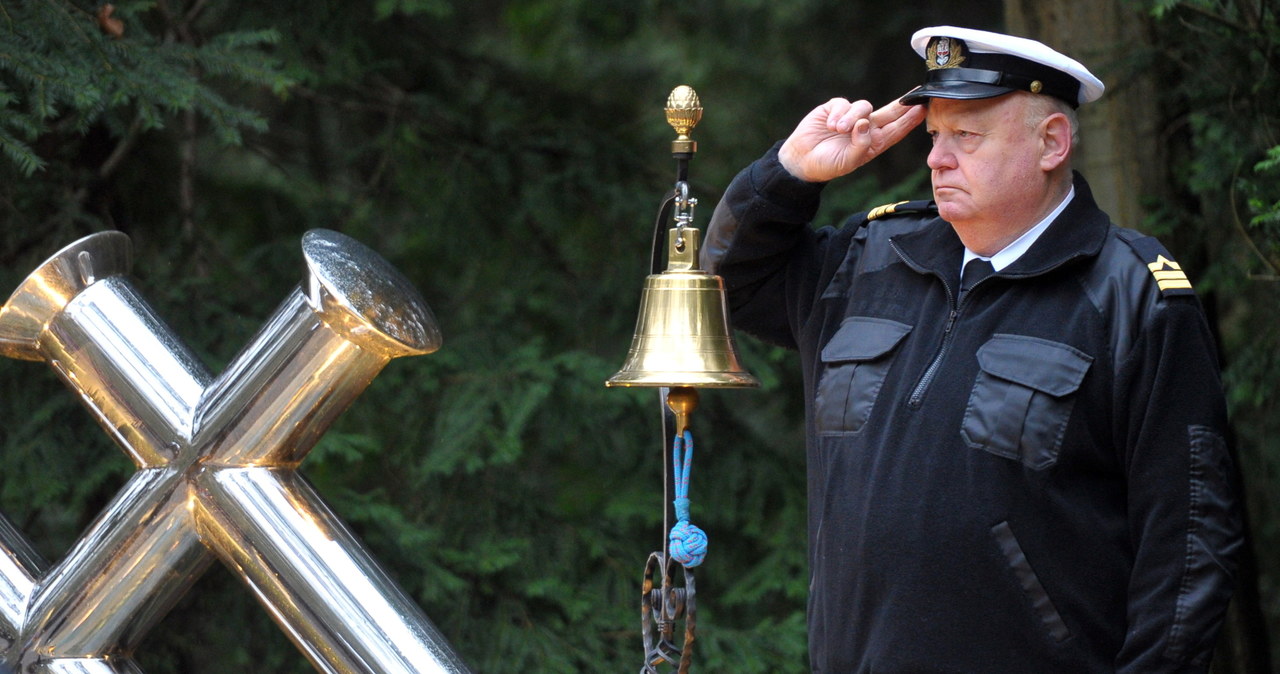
{"x": 682, "y": 401}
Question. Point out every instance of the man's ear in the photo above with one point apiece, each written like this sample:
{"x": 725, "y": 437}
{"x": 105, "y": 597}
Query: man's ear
{"x": 1055, "y": 141}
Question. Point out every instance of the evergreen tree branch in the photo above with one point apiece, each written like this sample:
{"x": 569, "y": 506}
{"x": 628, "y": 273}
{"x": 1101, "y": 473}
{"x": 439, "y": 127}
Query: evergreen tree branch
{"x": 1238, "y": 224}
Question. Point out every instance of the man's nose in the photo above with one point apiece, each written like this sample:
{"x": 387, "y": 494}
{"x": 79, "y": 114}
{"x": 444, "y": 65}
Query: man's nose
{"x": 941, "y": 156}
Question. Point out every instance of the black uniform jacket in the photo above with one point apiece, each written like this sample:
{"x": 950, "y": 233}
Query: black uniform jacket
{"x": 1033, "y": 479}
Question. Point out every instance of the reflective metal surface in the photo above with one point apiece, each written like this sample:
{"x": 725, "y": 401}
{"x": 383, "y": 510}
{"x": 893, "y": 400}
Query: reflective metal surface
{"x": 682, "y": 335}
{"x": 216, "y": 465}
{"x": 684, "y": 111}
{"x": 19, "y": 567}
{"x": 84, "y": 666}
{"x": 327, "y": 591}
{"x": 50, "y": 288}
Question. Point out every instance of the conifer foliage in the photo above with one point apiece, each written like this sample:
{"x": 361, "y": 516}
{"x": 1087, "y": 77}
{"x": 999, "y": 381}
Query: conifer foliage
{"x": 65, "y": 66}
{"x": 509, "y": 157}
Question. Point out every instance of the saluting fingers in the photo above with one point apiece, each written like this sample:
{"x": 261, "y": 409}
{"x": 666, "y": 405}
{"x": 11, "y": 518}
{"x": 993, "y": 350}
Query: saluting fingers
{"x": 894, "y": 121}
{"x": 895, "y": 111}
{"x": 848, "y": 115}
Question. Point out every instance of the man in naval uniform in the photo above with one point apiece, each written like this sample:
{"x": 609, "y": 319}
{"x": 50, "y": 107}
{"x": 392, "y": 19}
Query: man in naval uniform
{"x": 1021, "y": 468}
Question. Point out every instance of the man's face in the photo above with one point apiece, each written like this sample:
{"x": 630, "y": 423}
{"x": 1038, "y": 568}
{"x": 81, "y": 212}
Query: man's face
{"x": 985, "y": 163}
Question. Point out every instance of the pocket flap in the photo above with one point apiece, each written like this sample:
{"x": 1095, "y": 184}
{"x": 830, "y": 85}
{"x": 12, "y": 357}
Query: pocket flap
{"x": 864, "y": 338}
{"x": 1056, "y": 369}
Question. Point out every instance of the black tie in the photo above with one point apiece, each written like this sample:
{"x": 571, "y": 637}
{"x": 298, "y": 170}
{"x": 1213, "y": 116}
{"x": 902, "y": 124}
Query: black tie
{"x": 976, "y": 270}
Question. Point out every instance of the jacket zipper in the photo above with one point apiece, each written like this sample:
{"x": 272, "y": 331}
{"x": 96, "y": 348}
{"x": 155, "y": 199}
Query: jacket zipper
{"x": 917, "y": 394}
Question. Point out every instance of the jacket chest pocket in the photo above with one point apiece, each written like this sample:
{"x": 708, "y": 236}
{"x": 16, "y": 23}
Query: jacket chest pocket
{"x": 1022, "y": 398}
{"x": 854, "y": 365}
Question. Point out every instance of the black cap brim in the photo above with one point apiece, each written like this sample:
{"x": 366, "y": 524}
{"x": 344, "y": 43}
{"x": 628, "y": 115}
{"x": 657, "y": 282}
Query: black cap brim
{"x": 954, "y": 89}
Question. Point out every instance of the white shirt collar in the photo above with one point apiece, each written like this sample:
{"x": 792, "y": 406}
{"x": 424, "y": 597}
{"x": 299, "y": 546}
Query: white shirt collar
{"x": 1013, "y": 251}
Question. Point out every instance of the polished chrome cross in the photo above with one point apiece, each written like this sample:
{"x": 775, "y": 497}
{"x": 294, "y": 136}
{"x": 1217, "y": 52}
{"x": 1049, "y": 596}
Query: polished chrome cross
{"x": 217, "y": 460}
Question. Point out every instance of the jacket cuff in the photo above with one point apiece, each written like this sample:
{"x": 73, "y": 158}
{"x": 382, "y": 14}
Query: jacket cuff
{"x": 775, "y": 184}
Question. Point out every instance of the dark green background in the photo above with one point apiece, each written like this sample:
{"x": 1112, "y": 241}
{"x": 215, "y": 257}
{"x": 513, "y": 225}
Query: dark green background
{"x": 509, "y": 157}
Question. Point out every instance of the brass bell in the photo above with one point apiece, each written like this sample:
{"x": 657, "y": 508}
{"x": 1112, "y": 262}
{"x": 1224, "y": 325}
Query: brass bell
{"x": 682, "y": 335}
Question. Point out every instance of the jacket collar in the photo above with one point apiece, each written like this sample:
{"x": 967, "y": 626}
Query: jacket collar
{"x": 1079, "y": 231}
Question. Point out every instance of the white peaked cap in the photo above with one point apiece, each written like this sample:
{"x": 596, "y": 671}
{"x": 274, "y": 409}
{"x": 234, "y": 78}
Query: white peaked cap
{"x": 966, "y": 63}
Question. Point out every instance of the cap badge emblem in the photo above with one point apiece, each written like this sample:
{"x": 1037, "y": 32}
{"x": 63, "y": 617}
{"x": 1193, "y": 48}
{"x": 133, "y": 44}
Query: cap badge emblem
{"x": 944, "y": 52}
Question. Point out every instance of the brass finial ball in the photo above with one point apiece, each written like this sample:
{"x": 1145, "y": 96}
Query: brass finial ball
{"x": 684, "y": 111}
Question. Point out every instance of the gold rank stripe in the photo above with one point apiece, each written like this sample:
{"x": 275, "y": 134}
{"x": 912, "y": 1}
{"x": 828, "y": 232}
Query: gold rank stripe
{"x": 1168, "y": 274}
{"x": 880, "y": 211}
{"x": 1171, "y": 284}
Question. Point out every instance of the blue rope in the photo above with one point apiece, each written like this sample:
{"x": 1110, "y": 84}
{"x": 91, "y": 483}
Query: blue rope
{"x": 688, "y": 543}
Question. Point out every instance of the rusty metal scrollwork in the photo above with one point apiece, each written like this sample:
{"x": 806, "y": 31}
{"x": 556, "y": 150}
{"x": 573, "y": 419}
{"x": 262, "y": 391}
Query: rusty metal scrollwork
{"x": 662, "y": 609}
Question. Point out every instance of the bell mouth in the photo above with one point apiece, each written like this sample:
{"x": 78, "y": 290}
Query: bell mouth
{"x": 678, "y": 379}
